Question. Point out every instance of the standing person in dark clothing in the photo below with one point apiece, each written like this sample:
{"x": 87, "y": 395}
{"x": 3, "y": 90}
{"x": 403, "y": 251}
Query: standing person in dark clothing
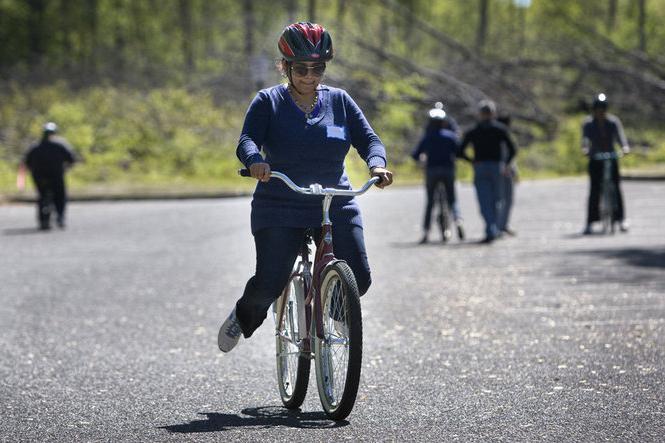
{"x": 48, "y": 160}
{"x": 487, "y": 138}
{"x": 439, "y": 147}
{"x": 600, "y": 132}
{"x": 509, "y": 179}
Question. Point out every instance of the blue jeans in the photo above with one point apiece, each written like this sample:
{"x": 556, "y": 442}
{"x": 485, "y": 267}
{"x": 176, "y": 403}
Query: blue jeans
{"x": 488, "y": 181}
{"x": 276, "y": 251}
{"x": 508, "y": 185}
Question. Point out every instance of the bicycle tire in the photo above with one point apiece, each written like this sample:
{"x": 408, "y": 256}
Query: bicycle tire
{"x": 292, "y": 367}
{"x": 443, "y": 218}
{"x": 342, "y": 323}
{"x": 604, "y": 210}
{"x": 612, "y": 204}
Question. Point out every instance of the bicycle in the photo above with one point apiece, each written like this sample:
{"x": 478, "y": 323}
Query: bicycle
{"x": 608, "y": 205}
{"x": 330, "y": 331}
{"x": 443, "y": 217}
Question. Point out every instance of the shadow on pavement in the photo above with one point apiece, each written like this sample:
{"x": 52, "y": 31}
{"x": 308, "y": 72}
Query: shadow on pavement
{"x": 640, "y": 257}
{"x": 22, "y": 231}
{"x": 262, "y": 417}
{"x": 438, "y": 244}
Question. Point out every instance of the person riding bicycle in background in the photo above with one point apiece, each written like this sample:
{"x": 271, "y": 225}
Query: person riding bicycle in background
{"x": 600, "y": 132}
{"x": 305, "y": 130}
{"x": 488, "y": 138}
{"x": 439, "y": 146}
{"x": 47, "y": 161}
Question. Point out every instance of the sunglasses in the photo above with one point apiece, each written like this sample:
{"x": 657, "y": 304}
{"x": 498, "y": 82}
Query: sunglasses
{"x": 303, "y": 70}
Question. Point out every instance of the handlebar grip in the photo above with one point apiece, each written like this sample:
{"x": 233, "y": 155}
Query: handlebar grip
{"x": 244, "y": 173}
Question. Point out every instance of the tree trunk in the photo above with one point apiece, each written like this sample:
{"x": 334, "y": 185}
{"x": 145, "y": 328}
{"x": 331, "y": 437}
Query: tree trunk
{"x": 208, "y": 18}
{"x": 311, "y": 11}
{"x": 481, "y": 33}
{"x": 292, "y": 10}
{"x": 641, "y": 24}
{"x": 36, "y": 28}
{"x": 92, "y": 18}
{"x": 341, "y": 10}
{"x": 611, "y": 15}
{"x": 187, "y": 38}
{"x": 248, "y": 16}
{"x": 119, "y": 44}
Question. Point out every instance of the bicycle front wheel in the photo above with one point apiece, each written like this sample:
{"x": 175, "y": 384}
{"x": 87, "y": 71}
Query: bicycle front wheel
{"x": 338, "y": 355}
{"x": 606, "y": 208}
{"x": 292, "y": 366}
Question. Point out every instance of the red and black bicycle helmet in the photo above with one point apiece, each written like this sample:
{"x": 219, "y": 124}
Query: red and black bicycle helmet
{"x": 305, "y": 42}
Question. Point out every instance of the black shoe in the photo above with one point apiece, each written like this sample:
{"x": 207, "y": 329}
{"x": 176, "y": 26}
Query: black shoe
{"x": 60, "y": 222}
{"x": 460, "y": 231}
{"x": 423, "y": 240}
{"x": 487, "y": 240}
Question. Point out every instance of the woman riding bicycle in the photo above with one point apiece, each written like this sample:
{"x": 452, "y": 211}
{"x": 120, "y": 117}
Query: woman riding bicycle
{"x": 305, "y": 130}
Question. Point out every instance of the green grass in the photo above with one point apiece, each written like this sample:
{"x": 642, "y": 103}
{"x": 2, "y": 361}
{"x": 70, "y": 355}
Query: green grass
{"x": 170, "y": 141}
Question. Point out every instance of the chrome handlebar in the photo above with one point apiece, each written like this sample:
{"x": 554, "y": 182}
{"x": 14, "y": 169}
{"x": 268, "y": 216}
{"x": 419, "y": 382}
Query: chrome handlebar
{"x": 606, "y": 156}
{"x": 315, "y": 188}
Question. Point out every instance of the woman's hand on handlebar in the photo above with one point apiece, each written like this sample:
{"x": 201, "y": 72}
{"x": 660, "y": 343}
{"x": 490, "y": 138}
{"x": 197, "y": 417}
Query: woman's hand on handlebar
{"x": 260, "y": 171}
{"x": 385, "y": 175}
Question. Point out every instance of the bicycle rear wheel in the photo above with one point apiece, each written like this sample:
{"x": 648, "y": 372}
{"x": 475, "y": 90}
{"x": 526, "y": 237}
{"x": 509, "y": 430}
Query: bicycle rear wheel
{"x": 443, "y": 219}
{"x": 292, "y": 366}
{"x": 338, "y": 355}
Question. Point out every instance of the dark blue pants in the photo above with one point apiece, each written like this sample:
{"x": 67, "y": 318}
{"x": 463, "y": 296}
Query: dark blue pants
{"x": 433, "y": 178}
{"x": 276, "y": 251}
{"x": 489, "y": 188}
{"x": 51, "y": 189}
{"x": 504, "y": 215}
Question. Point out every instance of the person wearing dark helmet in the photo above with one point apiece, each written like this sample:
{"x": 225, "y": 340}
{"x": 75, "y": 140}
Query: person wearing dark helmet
{"x": 47, "y": 161}
{"x": 304, "y": 129}
{"x": 600, "y": 132}
{"x": 439, "y": 148}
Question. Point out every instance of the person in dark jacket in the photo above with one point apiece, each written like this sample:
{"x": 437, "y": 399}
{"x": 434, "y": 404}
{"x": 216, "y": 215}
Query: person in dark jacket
{"x": 488, "y": 138}
{"x": 47, "y": 161}
{"x": 600, "y": 133}
{"x": 439, "y": 148}
{"x": 305, "y": 130}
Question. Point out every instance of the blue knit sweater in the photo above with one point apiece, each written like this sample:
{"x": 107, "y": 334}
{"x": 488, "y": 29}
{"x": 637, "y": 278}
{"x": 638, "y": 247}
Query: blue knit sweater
{"x": 308, "y": 151}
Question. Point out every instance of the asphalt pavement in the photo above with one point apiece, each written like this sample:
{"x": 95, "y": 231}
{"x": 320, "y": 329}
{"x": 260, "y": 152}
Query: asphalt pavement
{"x": 109, "y": 327}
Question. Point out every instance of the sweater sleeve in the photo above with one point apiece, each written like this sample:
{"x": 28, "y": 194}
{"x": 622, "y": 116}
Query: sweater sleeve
{"x": 419, "y": 149}
{"x": 512, "y": 150}
{"x": 621, "y": 135}
{"x": 363, "y": 138}
{"x": 254, "y": 130}
{"x": 461, "y": 147}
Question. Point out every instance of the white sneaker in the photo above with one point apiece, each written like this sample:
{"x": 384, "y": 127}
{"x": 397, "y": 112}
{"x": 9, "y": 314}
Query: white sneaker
{"x": 229, "y": 333}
